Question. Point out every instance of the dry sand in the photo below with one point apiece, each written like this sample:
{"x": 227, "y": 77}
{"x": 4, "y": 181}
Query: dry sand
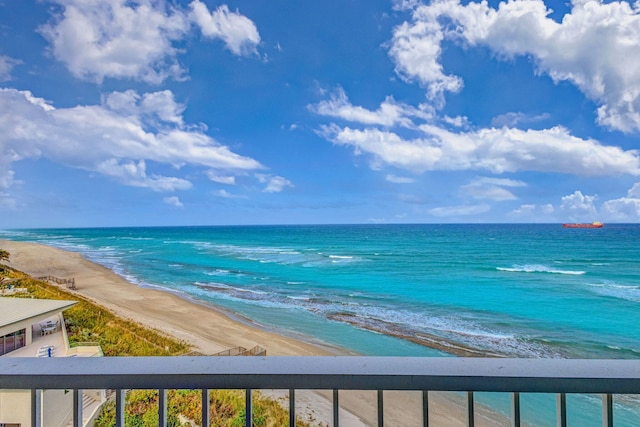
{"x": 209, "y": 330}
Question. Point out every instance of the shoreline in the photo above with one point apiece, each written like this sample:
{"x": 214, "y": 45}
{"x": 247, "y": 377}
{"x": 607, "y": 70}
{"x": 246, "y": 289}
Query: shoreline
{"x": 207, "y": 328}
{"x": 210, "y": 329}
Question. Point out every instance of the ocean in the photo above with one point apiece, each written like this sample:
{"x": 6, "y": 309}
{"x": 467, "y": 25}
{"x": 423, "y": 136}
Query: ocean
{"x": 516, "y": 290}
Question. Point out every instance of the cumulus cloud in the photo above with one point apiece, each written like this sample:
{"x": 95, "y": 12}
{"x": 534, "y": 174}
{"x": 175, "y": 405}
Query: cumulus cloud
{"x": 122, "y": 138}
{"x": 275, "y": 184}
{"x": 579, "y": 207}
{"x": 494, "y": 150}
{"x": 624, "y": 209}
{"x": 416, "y": 49}
{"x": 136, "y": 39}
{"x": 173, "y": 201}
{"x": 237, "y": 31}
{"x": 492, "y": 188}
{"x": 390, "y": 112}
{"x": 593, "y": 47}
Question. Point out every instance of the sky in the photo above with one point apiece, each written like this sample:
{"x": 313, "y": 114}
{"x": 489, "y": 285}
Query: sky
{"x": 198, "y": 112}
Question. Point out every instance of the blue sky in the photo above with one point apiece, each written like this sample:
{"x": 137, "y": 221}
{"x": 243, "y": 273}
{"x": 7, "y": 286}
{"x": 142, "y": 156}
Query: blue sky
{"x": 116, "y": 113}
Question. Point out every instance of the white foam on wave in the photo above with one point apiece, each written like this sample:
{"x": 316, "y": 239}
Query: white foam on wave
{"x": 537, "y": 268}
{"x": 615, "y": 290}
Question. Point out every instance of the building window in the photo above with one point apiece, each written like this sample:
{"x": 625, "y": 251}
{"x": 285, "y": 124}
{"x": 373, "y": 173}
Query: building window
{"x": 12, "y": 341}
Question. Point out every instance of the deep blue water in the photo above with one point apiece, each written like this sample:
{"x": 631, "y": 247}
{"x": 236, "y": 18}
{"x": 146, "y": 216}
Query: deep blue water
{"x": 513, "y": 290}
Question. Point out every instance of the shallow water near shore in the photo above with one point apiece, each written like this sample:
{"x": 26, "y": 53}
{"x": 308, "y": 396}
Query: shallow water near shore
{"x": 403, "y": 290}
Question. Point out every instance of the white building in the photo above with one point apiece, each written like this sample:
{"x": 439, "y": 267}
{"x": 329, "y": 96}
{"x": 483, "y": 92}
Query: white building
{"x": 35, "y": 328}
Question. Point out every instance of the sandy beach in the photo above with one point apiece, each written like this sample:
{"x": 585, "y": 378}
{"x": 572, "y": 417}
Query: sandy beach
{"x": 210, "y": 330}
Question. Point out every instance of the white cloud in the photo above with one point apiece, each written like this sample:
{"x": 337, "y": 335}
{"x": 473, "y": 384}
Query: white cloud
{"x": 390, "y": 112}
{"x": 225, "y": 194}
{"x": 547, "y": 209}
{"x": 464, "y": 210}
{"x": 399, "y": 179}
{"x": 221, "y": 179}
{"x": 6, "y": 66}
{"x": 134, "y": 174}
{"x": 624, "y": 209}
{"x": 634, "y": 191}
{"x": 517, "y": 119}
{"x": 416, "y": 50}
{"x": 594, "y": 47}
{"x": 135, "y": 39}
{"x": 117, "y": 38}
{"x": 275, "y": 184}
{"x": 526, "y": 211}
{"x": 533, "y": 212}
{"x": 579, "y": 207}
{"x": 237, "y": 31}
{"x": 494, "y": 150}
{"x": 492, "y": 188}
{"x": 458, "y": 121}
{"x": 121, "y": 138}
{"x": 173, "y": 201}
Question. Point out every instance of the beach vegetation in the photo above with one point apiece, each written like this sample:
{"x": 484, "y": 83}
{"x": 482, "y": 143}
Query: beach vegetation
{"x": 4, "y": 255}
{"x": 226, "y": 409}
{"x": 89, "y": 322}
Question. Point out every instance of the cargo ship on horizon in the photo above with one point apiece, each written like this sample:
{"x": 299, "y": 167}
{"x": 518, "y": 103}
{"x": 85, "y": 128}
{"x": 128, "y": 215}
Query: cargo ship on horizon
{"x": 594, "y": 224}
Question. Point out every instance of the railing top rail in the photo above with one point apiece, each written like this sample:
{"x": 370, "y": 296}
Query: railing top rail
{"x": 339, "y": 372}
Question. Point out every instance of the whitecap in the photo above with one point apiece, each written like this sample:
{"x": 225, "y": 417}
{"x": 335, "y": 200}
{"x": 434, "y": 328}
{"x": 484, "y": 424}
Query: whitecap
{"x": 536, "y": 268}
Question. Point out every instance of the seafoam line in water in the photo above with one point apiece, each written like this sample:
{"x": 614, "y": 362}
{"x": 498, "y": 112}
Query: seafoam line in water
{"x": 534, "y": 268}
{"x": 446, "y": 334}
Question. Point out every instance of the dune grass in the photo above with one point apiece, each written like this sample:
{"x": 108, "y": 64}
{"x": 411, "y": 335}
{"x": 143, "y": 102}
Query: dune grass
{"x": 226, "y": 409}
{"x": 88, "y": 322}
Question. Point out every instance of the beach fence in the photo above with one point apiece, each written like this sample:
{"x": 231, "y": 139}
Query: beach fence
{"x": 241, "y": 351}
{"x": 71, "y": 283}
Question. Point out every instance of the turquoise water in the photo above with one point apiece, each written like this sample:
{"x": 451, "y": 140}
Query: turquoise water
{"x": 409, "y": 290}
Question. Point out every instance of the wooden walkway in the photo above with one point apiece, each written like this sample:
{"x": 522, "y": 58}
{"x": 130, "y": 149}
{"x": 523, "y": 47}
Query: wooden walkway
{"x": 71, "y": 283}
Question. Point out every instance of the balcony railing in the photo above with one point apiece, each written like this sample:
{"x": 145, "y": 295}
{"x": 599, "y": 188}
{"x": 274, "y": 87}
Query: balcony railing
{"x": 469, "y": 375}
